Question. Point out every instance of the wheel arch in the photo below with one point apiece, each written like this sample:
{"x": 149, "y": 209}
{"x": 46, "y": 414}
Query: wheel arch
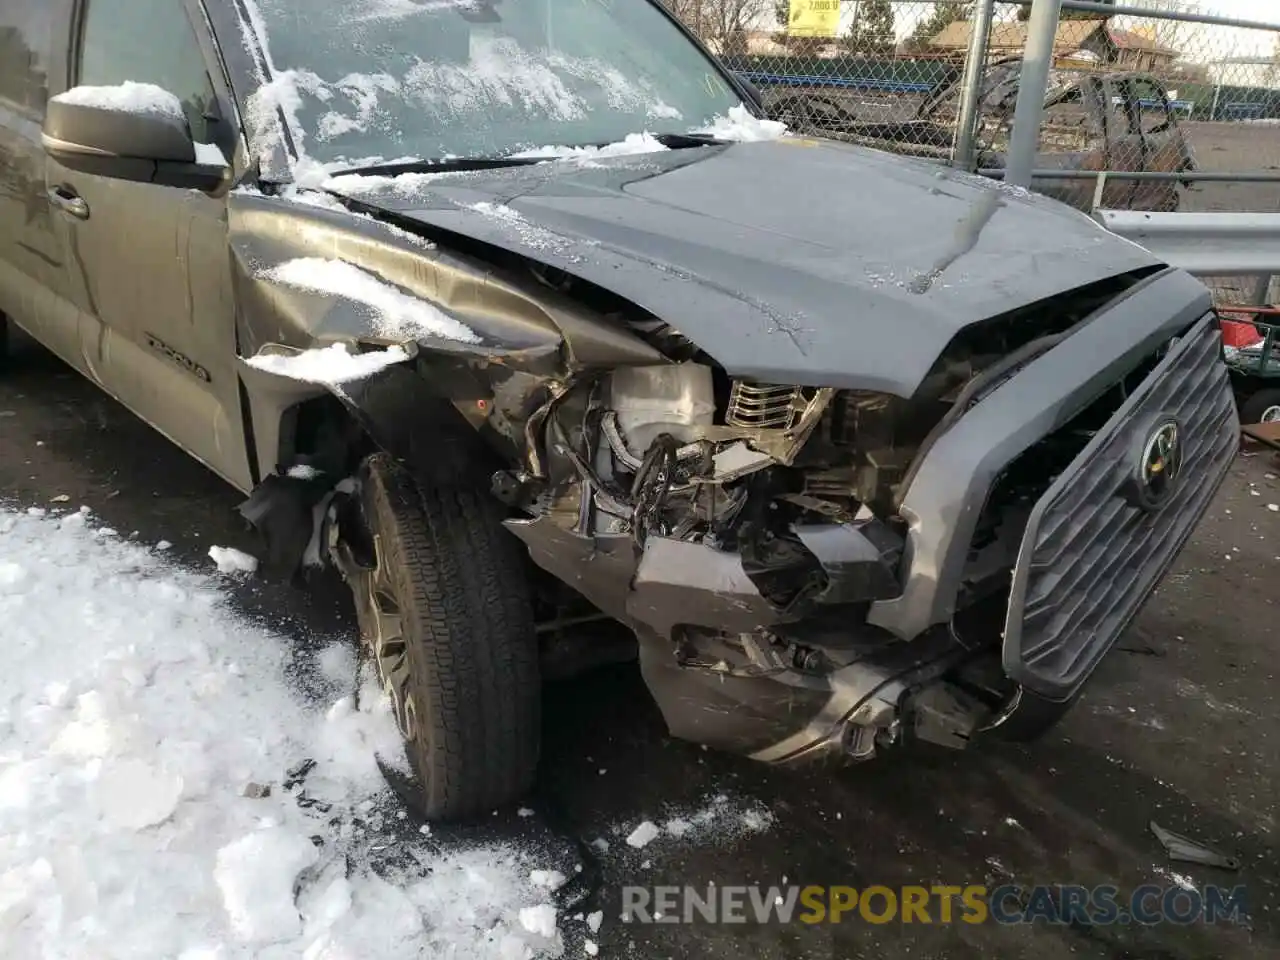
{"x": 333, "y": 429}
{"x": 395, "y": 411}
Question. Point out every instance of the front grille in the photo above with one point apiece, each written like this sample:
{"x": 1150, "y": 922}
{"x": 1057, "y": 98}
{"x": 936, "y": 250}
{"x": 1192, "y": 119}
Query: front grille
{"x": 1089, "y": 557}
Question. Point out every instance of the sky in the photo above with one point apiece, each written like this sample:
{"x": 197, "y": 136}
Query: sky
{"x": 1245, "y": 9}
{"x": 1248, "y": 42}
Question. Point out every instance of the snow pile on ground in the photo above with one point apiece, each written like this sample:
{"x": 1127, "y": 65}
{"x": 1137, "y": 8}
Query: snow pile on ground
{"x": 719, "y": 819}
{"x": 163, "y": 792}
{"x": 643, "y": 835}
{"x": 742, "y": 125}
{"x": 231, "y": 560}
{"x": 396, "y": 314}
{"x": 127, "y": 96}
{"x": 329, "y": 365}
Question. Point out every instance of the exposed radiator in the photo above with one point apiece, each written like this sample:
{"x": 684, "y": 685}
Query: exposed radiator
{"x": 765, "y": 406}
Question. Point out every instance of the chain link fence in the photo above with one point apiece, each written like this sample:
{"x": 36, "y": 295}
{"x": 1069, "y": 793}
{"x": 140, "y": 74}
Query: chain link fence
{"x": 860, "y": 70}
{"x": 1162, "y": 111}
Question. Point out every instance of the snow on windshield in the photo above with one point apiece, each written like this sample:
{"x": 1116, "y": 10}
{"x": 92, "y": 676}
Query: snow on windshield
{"x": 501, "y": 73}
{"x": 500, "y": 76}
{"x": 359, "y": 11}
{"x": 154, "y": 762}
{"x": 445, "y": 79}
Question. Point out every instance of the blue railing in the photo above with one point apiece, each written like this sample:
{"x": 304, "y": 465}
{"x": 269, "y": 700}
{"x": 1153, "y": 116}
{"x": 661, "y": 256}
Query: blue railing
{"x": 847, "y": 83}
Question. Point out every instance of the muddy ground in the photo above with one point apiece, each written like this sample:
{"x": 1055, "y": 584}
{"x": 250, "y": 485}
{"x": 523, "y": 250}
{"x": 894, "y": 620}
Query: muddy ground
{"x": 1181, "y": 725}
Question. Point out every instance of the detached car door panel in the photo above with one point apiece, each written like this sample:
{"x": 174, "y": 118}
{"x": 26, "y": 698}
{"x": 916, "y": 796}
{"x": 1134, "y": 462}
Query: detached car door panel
{"x": 148, "y": 263}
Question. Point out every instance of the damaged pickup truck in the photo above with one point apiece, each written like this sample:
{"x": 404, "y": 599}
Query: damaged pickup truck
{"x": 518, "y": 315}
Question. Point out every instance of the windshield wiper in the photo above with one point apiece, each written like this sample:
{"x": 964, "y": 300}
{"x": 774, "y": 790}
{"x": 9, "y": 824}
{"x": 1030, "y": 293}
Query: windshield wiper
{"x": 450, "y": 165}
{"x": 672, "y": 141}
{"x": 683, "y": 141}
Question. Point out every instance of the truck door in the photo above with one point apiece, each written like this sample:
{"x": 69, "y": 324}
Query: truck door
{"x": 33, "y": 280}
{"x": 1161, "y": 144}
{"x": 149, "y": 264}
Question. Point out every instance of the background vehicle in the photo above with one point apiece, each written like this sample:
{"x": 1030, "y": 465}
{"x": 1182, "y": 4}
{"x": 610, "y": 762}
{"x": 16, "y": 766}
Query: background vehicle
{"x": 1253, "y": 358}
{"x": 1092, "y": 121}
{"x": 817, "y": 448}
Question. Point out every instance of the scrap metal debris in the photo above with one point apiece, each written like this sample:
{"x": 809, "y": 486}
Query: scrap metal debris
{"x": 1180, "y": 848}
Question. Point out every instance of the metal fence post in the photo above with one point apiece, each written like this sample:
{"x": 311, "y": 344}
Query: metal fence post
{"x": 1024, "y": 140}
{"x": 974, "y": 72}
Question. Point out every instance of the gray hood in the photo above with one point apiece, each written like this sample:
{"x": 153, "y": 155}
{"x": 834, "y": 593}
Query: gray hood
{"x": 792, "y": 261}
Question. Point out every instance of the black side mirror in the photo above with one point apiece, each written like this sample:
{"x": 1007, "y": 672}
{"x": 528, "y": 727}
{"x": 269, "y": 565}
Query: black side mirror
{"x": 753, "y": 92}
{"x": 132, "y": 132}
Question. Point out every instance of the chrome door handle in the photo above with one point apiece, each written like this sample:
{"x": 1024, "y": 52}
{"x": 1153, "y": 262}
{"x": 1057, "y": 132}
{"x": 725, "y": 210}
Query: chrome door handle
{"x": 68, "y": 201}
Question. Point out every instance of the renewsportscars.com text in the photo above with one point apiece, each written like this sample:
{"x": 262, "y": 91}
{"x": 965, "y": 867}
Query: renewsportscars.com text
{"x": 939, "y": 904}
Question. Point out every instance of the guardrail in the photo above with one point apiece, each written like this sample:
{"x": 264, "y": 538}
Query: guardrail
{"x": 1205, "y": 244}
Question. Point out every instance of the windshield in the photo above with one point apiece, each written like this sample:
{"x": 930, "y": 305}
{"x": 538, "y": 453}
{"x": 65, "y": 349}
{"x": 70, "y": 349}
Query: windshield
{"x": 428, "y": 79}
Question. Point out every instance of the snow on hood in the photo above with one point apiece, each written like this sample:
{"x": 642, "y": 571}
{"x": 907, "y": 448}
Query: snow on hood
{"x": 146, "y": 734}
{"x": 531, "y": 236}
{"x": 397, "y": 316}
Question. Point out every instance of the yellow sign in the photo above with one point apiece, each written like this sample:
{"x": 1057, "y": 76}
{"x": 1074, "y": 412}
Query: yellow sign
{"x": 814, "y": 18}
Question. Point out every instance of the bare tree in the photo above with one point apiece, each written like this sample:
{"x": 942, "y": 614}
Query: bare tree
{"x": 872, "y": 30}
{"x": 688, "y": 11}
{"x": 725, "y": 24}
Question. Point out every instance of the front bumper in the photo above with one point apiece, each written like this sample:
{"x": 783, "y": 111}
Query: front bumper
{"x": 1087, "y": 561}
{"x": 954, "y": 477}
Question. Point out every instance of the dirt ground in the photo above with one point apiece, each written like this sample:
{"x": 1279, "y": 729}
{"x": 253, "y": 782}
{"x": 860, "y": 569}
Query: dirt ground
{"x": 1181, "y": 725}
{"x": 1233, "y": 148}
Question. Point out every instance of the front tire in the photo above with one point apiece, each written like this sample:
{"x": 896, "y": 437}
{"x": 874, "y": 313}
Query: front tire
{"x": 445, "y": 611}
{"x": 1261, "y": 407}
